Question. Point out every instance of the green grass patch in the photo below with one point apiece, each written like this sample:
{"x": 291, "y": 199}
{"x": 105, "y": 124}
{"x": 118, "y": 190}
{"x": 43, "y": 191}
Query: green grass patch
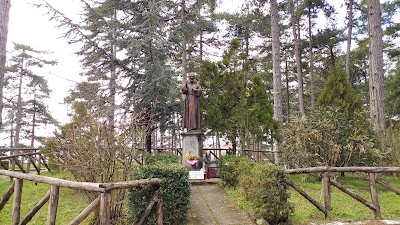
{"x": 70, "y": 204}
{"x": 344, "y": 208}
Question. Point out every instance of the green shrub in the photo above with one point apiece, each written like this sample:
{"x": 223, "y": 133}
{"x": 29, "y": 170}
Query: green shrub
{"x": 166, "y": 158}
{"x": 263, "y": 186}
{"x": 268, "y": 193}
{"x": 393, "y": 143}
{"x": 175, "y": 190}
{"x": 232, "y": 167}
{"x": 328, "y": 137}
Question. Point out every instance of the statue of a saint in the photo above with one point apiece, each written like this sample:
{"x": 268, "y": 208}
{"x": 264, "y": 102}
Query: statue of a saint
{"x": 191, "y": 116}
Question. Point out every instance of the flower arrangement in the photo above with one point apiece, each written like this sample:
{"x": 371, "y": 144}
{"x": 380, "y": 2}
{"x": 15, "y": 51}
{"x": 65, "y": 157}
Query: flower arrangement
{"x": 191, "y": 159}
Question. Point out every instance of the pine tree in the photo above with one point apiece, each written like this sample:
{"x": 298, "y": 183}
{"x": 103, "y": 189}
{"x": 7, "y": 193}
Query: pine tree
{"x": 4, "y": 15}
{"x": 31, "y": 90}
{"x": 376, "y": 76}
{"x": 225, "y": 101}
{"x": 338, "y": 93}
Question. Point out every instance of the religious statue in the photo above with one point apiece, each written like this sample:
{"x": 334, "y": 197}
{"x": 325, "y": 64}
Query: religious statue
{"x": 191, "y": 116}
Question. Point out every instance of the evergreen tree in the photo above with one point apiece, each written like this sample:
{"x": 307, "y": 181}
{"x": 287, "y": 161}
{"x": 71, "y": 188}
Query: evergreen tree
{"x": 30, "y": 110}
{"x": 225, "y": 93}
{"x": 337, "y": 93}
{"x": 4, "y": 16}
{"x": 392, "y": 93}
{"x": 260, "y": 112}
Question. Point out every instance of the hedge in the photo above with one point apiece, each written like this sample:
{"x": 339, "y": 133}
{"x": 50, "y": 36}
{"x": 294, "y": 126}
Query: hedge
{"x": 263, "y": 185}
{"x": 175, "y": 190}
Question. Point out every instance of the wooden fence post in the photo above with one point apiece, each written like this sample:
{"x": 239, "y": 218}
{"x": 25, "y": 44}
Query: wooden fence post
{"x": 160, "y": 215}
{"x": 17, "y": 201}
{"x": 53, "y": 204}
{"x": 105, "y": 201}
{"x": 7, "y": 196}
{"x": 327, "y": 194}
{"x": 374, "y": 195}
{"x": 36, "y": 208}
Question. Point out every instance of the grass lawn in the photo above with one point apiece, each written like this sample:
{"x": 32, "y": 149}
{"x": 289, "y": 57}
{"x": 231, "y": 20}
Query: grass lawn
{"x": 344, "y": 207}
{"x": 70, "y": 204}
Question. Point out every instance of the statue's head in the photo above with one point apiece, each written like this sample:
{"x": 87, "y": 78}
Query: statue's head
{"x": 191, "y": 77}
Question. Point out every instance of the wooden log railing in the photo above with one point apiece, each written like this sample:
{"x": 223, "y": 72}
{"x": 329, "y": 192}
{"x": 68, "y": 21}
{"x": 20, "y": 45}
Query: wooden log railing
{"x": 327, "y": 182}
{"x": 102, "y": 202}
{"x": 19, "y": 156}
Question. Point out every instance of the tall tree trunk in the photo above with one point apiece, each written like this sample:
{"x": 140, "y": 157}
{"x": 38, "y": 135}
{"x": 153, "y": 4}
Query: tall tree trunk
{"x": 113, "y": 77}
{"x": 376, "y": 78}
{"x": 298, "y": 61}
{"x": 33, "y": 121}
{"x": 18, "y": 117}
{"x": 349, "y": 34}
{"x": 276, "y": 63}
{"x": 201, "y": 46}
{"x": 12, "y": 130}
{"x": 310, "y": 46}
{"x": 184, "y": 53}
{"x": 287, "y": 90}
{"x": 4, "y": 17}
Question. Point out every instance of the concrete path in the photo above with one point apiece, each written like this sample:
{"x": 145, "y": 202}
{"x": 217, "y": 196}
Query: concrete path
{"x": 211, "y": 206}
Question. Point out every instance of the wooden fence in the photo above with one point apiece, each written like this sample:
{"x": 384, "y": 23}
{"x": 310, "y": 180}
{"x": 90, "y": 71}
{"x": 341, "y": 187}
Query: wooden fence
{"x": 327, "y": 181}
{"x": 102, "y": 202}
{"x": 218, "y": 152}
{"x": 22, "y": 158}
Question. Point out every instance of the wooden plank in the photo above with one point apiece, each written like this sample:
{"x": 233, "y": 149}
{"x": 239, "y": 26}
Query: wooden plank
{"x": 160, "y": 214}
{"x": 145, "y": 214}
{"x": 36, "y": 208}
{"x": 19, "y": 166}
{"x": 353, "y": 195}
{"x": 17, "y": 201}
{"x": 44, "y": 162}
{"x": 322, "y": 169}
{"x": 28, "y": 165}
{"x": 17, "y": 149}
{"x": 105, "y": 201}
{"x": 38, "y": 163}
{"x": 305, "y": 195}
{"x": 85, "y": 213}
{"x": 374, "y": 195}
{"x": 34, "y": 165}
{"x": 85, "y": 186}
{"x": 7, "y": 196}
{"x": 18, "y": 155}
{"x": 53, "y": 205}
{"x": 388, "y": 186}
{"x": 130, "y": 184}
{"x": 326, "y": 185}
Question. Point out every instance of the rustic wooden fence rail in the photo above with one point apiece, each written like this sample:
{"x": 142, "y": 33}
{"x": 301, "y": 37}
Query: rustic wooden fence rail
{"x": 20, "y": 156}
{"x": 327, "y": 181}
{"x": 102, "y": 202}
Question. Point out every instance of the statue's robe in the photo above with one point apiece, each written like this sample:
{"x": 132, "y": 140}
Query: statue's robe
{"x": 191, "y": 115}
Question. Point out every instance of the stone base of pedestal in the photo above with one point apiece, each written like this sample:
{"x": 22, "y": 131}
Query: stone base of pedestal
{"x": 192, "y": 144}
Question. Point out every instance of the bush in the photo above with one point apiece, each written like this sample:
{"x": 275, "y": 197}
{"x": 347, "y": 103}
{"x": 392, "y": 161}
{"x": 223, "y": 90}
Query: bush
{"x": 175, "y": 190}
{"x": 264, "y": 187}
{"x": 232, "y": 167}
{"x": 269, "y": 193}
{"x": 166, "y": 158}
{"x": 393, "y": 143}
{"x": 328, "y": 137}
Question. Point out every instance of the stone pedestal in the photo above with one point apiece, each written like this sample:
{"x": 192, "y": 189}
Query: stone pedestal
{"x": 192, "y": 145}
